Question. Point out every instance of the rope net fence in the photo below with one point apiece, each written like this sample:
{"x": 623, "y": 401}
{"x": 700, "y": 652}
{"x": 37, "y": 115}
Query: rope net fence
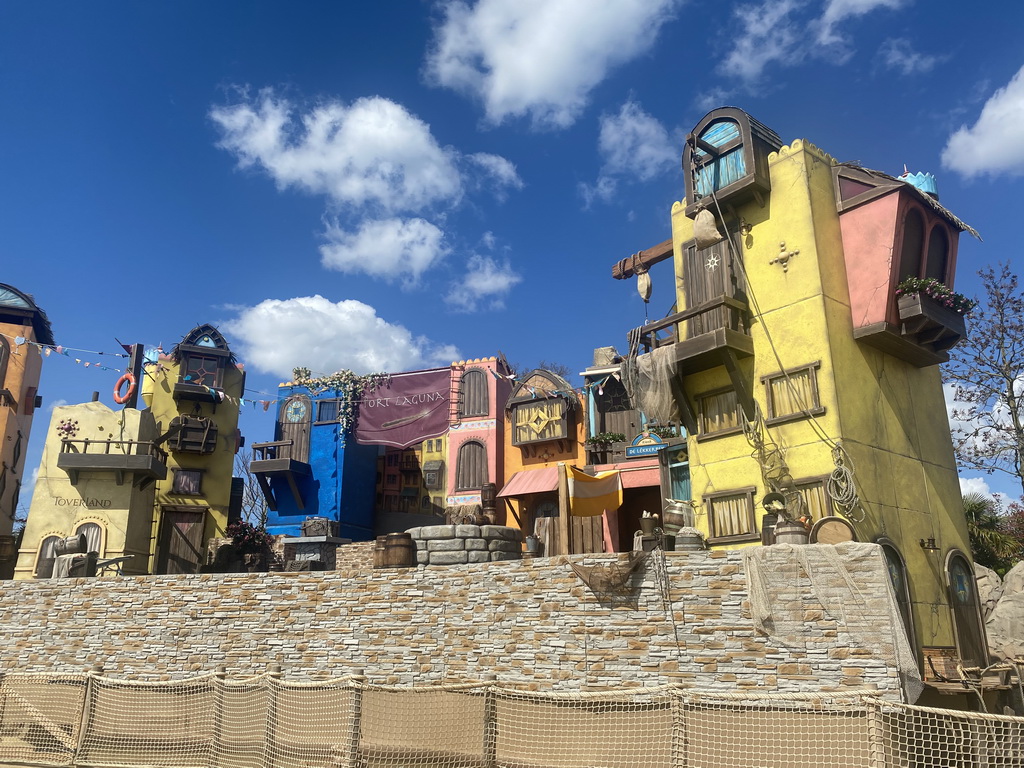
{"x": 211, "y": 721}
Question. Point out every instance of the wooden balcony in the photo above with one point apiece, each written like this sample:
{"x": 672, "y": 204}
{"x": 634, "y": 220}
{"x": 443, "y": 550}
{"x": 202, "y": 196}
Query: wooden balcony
{"x": 926, "y": 331}
{"x": 143, "y": 461}
{"x": 275, "y": 461}
{"x": 714, "y": 332}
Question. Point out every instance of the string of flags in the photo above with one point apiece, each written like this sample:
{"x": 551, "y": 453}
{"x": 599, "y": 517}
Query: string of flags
{"x": 535, "y": 391}
{"x": 58, "y": 349}
{"x": 152, "y": 354}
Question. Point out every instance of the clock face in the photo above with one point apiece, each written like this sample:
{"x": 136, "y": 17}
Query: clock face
{"x": 296, "y": 411}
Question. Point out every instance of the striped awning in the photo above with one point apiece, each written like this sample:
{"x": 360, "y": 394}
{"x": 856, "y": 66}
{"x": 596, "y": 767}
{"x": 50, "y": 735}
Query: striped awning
{"x": 531, "y": 481}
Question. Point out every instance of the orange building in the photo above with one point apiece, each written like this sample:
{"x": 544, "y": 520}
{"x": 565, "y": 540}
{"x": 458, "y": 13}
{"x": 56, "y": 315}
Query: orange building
{"x": 21, "y": 322}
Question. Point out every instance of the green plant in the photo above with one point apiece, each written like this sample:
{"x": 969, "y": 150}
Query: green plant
{"x": 605, "y": 439}
{"x": 346, "y": 385}
{"x": 249, "y": 539}
{"x": 664, "y": 432}
{"x": 938, "y": 291}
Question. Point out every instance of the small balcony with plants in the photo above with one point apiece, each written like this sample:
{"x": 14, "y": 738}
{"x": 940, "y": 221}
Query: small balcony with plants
{"x": 931, "y": 317}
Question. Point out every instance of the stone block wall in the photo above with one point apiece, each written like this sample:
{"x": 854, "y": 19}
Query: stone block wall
{"x": 464, "y": 544}
{"x": 683, "y": 619}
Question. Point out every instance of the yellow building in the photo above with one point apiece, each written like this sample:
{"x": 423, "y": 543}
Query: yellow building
{"x": 96, "y": 478}
{"x": 799, "y": 370}
{"x": 21, "y": 323}
{"x": 194, "y": 396}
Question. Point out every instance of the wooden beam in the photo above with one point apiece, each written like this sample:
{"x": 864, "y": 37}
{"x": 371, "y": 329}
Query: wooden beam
{"x": 626, "y": 268}
{"x": 564, "y": 540}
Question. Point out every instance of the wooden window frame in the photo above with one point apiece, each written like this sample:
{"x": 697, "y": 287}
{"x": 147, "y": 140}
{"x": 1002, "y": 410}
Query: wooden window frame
{"x": 336, "y": 402}
{"x": 822, "y": 480}
{"x": 174, "y": 481}
{"x": 218, "y": 375}
{"x": 710, "y": 499}
{"x": 474, "y": 373}
{"x": 888, "y": 545}
{"x": 816, "y": 408}
{"x": 702, "y": 432}
{"x": 562, "y": 422}
{"x": 460, "y": 485}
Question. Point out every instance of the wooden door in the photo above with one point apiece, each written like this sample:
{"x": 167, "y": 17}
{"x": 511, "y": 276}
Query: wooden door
{"x": 295, "y": 419}
{"x": 181, "y": 541}
{"x": 708, "y": 275}
{"x": 586, "y": 534}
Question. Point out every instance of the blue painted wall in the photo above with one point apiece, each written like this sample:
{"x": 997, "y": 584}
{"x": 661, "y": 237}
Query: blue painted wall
{"x": 341, "y": 485}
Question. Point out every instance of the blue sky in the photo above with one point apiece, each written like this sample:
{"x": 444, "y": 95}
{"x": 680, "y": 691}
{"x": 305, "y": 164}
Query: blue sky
{"x": 386, "y": 186}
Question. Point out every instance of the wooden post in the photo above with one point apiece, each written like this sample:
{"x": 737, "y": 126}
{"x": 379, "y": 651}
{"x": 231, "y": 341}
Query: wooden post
{"x": 564, "y": 542}
{"x": 270, "y": 731}
{"x": 490, "y": 723}
{"x": 355, "y": 732}
{"x": 83, "y": 726}
{"x": 219, "y": 692}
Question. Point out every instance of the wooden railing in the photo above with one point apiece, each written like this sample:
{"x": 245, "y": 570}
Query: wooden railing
{"x": 720, "y": 312}
{"x": 279, "y": 449}
{"x": 134, "y": 447}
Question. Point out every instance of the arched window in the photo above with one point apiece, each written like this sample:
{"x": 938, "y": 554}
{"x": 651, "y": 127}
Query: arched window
{"x": 5, "y": 353}
{"x": 912, "y": 246}
{"x": 471, "y": 470}
{"x": 473, "y": 394}
{"x": 963, "y": 601}
{"x": 897, "y": 568}
{"x": 93, "y": 536}
{"x": 938, "y": 254}
{"x": 46, "y": 557}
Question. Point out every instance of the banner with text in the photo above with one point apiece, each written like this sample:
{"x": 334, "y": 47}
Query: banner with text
{"x": 407, "y": 409}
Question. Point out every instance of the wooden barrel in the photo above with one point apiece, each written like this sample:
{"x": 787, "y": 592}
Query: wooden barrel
{"x": 72, "y": 545}
{"x": 688, "y": 540}
{"x": 488, "y": 496}
{"x": 790, "y": 532}
{"x": 378, "y": 552}
{"x": 399, "y": 551}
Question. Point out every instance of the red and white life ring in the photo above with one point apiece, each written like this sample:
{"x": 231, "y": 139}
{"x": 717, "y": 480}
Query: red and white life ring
{"x": 128, "y": 377}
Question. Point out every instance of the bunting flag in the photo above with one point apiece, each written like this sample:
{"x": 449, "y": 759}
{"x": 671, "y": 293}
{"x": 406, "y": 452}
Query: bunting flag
{"x": 591, "y": 495}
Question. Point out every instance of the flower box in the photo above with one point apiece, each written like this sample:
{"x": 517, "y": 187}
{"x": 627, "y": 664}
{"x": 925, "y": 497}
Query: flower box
{"x": 930, "y": 323}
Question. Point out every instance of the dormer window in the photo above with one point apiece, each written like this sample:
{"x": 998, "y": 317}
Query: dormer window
{"x": 202, "y": 357}
{"x": 201, "y": 369}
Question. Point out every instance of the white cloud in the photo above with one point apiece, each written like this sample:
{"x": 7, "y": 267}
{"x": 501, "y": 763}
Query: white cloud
{"x": 372, "y": 152}
{"x": 898, "y": 54}
{"x": 56, "y": 404}
{"x": 769, "y": 33}
{"x": 632, "y": 145}
{"x": 539, "y": 58}
{"x": 484, "y": 285}
{"x": 841, "y": 10}
{"x": 995, "y": 143}
{"x": 390, "y": 249}
{"x": 974, "y": 485}
{"x": 498, "y": 173}
{"x": 279, "y": 335}
{"x": 781, "y": 31}
{"x": 603, "y": 189}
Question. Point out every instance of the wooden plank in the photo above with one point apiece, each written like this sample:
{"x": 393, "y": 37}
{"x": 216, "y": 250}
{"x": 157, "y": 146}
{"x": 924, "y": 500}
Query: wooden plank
{"x": 626, "y": 268}
{"x": 564, "y": 540}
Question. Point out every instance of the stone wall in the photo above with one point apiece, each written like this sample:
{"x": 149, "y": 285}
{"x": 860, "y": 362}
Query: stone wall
{"x": 682, "y": 619}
